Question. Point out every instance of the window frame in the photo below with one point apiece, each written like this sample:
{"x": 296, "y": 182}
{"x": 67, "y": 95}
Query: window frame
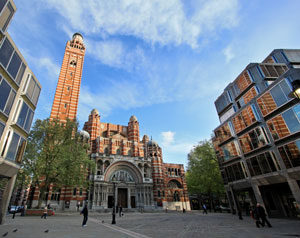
{"x": 18, "y": 78}
{"x": 12, "y": 90}
{"x": 16, "y": 149}
{"x": 20, "y": 107}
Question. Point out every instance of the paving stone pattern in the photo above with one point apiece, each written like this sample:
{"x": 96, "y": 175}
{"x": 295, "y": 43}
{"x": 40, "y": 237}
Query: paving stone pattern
{"x": 156, "y": 225}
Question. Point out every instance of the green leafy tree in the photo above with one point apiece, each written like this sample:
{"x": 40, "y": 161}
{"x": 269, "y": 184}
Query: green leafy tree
{"x": 56, "y": 154}
{"x": 203, "y": 174}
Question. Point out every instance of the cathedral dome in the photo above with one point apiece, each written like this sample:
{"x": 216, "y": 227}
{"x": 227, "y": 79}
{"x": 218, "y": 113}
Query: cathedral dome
{"x": 133, "y": 118}
{"x": 84, "y": 134}
{"x": 152, "y": 143}
{"x": 77, "y": 36}
{"x": 95, "y": 111}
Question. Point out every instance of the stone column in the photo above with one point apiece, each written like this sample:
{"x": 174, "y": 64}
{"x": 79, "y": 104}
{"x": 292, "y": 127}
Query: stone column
{"x": 229, "y": 200}
{"x": 94, "y": 197}
{"x": 295, "y": 190}
{"x": 234, "y": 199}
{"x": 258, "y": 196}
{"x": 116, "y": 195}
{"x": 6, "y": 197}
{"x": 128, "y": 198}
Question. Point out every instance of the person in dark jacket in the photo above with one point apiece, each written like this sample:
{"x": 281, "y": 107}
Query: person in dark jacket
{"x": 85, "y": 213}
{"x": 120, "y": 211}
{"x": 255, "y": 217}
{"x": 261, "y": 214}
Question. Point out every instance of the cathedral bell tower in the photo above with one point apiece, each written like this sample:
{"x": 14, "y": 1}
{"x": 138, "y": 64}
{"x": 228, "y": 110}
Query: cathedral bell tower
{"x": 66, "y": 97}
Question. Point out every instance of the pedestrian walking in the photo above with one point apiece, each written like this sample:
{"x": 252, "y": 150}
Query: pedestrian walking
{"x": 204, "y": 208}
{"x": 45, "y": 212}
{"x": 261, "y": 213}
{"x": 85, "y": 213}
{"x": 78, "y": 204}
{"x": 120, "y": 211}
{"x": 255, "y": 217}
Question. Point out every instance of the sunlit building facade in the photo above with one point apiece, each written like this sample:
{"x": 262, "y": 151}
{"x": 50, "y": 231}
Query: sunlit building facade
{"x": 19, "y": 94}
{"x": 258, "y": 140}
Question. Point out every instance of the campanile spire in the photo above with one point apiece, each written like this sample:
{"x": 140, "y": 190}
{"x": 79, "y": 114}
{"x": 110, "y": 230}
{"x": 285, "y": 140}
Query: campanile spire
{"x": 66, "y": 97}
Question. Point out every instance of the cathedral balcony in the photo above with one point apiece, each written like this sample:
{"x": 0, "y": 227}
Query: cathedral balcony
{"x": 147, "y": 180}
{"x": 97, "y": 178}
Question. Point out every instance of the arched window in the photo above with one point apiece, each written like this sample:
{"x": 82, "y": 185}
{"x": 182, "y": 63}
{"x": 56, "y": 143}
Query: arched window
{"x": 129, "y": 152}
{"x": 74, "y": 191}
{"x": 73, "y": 63}
{"x": 158, "y": 193}
{"x": 99, "y": 164}
{"x": 106, "y": 164}
{"x": 106, "y": 151}
{"x": 118, "y": 151}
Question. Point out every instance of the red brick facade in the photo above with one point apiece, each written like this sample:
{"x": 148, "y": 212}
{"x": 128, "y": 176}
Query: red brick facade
{"x": 66, "y": 97}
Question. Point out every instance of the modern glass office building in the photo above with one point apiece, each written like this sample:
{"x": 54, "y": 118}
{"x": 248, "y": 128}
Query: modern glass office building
{"x": 19, "y": 93}
{"x": 258, "y": 140}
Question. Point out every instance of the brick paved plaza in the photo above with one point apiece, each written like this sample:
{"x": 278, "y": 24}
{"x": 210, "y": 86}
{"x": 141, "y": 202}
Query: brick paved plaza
{"x": 165, "y": 225}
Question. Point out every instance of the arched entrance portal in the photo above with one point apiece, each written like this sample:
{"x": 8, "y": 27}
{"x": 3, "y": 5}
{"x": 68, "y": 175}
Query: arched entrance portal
{"x": 126, "y": 177}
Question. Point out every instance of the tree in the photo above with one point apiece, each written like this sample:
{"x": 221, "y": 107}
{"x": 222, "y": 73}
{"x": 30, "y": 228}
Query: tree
{"x": 203, "y": 174}
{"x": 56, "y": 154}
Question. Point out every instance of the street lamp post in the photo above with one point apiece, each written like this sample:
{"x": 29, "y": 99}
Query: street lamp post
{"x": 183, "y": 209}
{"x": 114, "y": 206}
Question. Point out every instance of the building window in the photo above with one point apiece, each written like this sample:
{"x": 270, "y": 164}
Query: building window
{"x": 16, "y": 67}
{"x": 261, "y": 164}
{"x": 25, "y": 117}
{"x": 285, "y": 124}
{"x": 33, "y": 90}
{"x": 6, "y": 52}
{"x": 2, "y": 4}
{"x": 7, "y": 96}
{"x": 2, "y": 125}
{"x": 290, "y": 154}
{"x": 15, "y": 147}
{"x": 253, "y": 107}
{"x": 280, "y": 93}
{"x": 230, "y": 150}
{"x": 253, "y": 140}
{"x": 73, "y": 63}
{"x": 244, "y": 119}
{"x": 291, "y": 118}
{"x": 80, "y": 192}
{"x": 6, "y": 16}
{"x": 229, "y": 96}
{"x": 65, "y": 106}
{"x": 74, "y": 191}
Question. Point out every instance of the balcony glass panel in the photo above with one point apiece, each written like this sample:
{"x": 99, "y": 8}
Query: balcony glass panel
{"x": 290, "y": 154}
{"x": 253, "y": 140}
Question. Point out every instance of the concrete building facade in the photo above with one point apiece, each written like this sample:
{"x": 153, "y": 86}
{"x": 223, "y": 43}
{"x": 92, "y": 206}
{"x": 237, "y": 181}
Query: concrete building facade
{"x": 19, "y": 93}
{"x": 258, "y": 140}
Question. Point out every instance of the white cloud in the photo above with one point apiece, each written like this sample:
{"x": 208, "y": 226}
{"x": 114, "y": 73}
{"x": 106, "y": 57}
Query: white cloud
{"x": 42, "y": 65}
{"x": 167, "y": 137}
{"x": 229, "y": 55}
{"x": 115, "y": 54}
{"x": 154, "y": 21}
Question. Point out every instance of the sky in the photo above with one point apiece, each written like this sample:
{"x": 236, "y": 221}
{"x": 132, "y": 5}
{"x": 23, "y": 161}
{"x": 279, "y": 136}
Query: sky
{"x": 164, "y": 61}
